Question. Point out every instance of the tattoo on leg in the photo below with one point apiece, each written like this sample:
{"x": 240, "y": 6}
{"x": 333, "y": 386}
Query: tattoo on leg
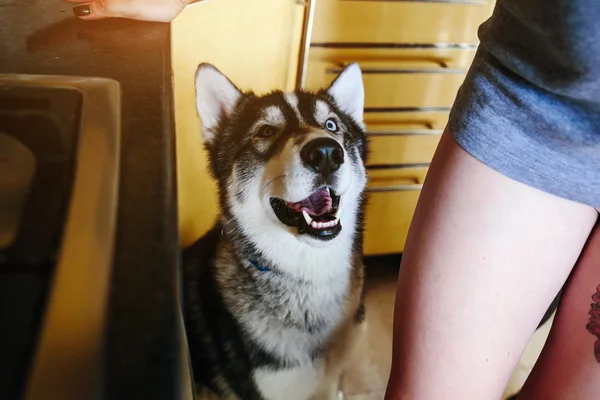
{"x": 593, "y": 325}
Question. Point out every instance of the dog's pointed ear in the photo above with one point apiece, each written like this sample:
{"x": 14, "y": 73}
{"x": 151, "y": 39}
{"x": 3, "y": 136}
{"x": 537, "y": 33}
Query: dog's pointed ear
{"x": 348, "y": 92}
{"x": 215, "y": 97}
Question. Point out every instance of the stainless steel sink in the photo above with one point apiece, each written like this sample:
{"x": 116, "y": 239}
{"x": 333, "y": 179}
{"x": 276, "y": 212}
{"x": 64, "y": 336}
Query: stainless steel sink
{"x": 74, "y": 257}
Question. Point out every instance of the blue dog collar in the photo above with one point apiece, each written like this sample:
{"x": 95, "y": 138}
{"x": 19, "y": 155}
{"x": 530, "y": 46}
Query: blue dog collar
{"x": 259, "y": 267}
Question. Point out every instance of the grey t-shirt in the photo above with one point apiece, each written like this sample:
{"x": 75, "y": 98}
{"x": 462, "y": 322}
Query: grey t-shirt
{"x": 530, "y": 104}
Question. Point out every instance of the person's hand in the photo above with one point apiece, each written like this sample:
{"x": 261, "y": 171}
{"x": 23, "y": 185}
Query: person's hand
{"x": 146, "y": 10}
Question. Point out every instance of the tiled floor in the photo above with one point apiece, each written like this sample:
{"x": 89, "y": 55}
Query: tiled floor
{"x": 368, "y": 378}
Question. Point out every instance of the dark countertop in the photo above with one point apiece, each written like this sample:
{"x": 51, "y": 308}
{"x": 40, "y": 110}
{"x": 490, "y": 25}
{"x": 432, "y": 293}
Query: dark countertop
{"x": 144, "y": 336}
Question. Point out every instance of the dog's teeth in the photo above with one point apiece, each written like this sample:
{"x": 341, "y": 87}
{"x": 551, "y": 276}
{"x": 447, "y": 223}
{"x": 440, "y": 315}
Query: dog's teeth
{"x": 338, "y": 214}
{"x": 322, "y": 225}
{"x": 328, "y": 191}
{"x": 307, "y": 217}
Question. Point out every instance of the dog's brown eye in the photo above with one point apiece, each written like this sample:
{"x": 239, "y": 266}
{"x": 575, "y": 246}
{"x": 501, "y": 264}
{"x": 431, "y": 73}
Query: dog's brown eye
{"x": 265, "y": 132}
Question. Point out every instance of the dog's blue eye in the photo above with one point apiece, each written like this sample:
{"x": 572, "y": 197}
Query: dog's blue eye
{"x": 331, "y": 126}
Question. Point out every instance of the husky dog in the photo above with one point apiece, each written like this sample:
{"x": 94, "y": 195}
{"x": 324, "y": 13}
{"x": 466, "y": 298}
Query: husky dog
{"x": 274, "y": 293}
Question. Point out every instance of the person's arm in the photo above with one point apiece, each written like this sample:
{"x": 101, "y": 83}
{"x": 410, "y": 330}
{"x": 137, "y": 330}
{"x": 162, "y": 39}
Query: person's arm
{"x": 146, "y": 10}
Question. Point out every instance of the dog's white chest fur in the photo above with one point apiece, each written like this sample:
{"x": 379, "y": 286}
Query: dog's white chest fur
{"x": 299, "y": 383}
{"x": 299, "y": 320}
{"x": 294, "y": 323}
{"x": 312, "y": 312}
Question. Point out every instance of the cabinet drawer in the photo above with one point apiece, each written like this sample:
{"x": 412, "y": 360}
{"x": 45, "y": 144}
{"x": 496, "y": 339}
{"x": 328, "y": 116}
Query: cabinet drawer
{"x": 414, "y": 147}
{"x": 403, "y": 137}
{"x": 392, "y": 197}
{"x": 450, "y": 21}
{"x": 407, "y": 81}
{"x": 405, "y": 119}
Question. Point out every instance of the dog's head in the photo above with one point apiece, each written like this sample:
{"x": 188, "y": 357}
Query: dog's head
{"x": 286, "y": 163}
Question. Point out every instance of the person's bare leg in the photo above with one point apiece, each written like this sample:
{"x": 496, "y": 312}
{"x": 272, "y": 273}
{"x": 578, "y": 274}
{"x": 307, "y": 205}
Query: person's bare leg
{"x": 569, "y": 366}
{"x": 484, "y": 258}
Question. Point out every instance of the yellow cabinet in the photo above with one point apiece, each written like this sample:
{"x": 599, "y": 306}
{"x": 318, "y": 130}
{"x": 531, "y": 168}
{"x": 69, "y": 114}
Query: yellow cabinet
{"x": 396, "y": 21}
{"x": 414, "y": 55}
{"x": 392, "y": 196}
{"x": 403, "y": 137}
{"x": 256, "y": 44}
{"x": 411, "y": 148}
{"x": 395, "y": 77}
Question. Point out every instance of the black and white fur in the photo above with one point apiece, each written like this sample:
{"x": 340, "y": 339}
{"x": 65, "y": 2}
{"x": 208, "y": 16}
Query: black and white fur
{"x": 282, "y": 331}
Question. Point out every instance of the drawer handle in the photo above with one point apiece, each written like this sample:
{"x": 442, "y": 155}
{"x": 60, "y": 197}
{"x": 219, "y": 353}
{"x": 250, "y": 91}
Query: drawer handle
{"x": 397, "y": 166}
{"x": 405, "y": 109}
{"x": 395, "y": 188}
{"x": 388, "y": 71}
{"x": 467, "y": 2}
{"x": 408, "y": 132}
{"x": 359, "y": 45}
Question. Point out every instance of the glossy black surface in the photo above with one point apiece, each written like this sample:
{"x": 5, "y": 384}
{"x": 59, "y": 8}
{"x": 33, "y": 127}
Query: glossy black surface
{"x": 143, "y": 340}
{"x": 46, "y": 121}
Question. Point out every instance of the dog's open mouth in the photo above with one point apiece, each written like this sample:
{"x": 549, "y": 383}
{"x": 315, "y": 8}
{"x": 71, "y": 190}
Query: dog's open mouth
{"x": 318, "y": 215}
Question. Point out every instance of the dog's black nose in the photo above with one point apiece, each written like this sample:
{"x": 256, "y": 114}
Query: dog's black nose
{"x": 323, "y": 155}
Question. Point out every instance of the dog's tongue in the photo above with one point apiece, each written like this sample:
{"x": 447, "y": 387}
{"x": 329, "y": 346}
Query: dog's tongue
{"x": 316, "y": 204}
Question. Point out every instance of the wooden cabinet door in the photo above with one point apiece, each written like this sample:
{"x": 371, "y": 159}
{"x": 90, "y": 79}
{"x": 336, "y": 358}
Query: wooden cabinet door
{"x": 256, "y": 44}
